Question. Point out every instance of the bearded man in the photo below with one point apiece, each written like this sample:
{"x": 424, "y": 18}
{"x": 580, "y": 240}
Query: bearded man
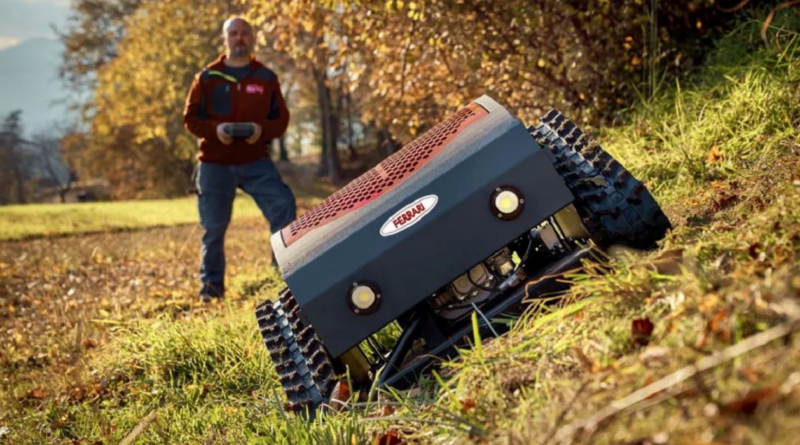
{"x": 235, "y": 108}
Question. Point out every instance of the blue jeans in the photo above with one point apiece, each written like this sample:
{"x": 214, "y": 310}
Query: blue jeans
{"x": 216, "y": 186}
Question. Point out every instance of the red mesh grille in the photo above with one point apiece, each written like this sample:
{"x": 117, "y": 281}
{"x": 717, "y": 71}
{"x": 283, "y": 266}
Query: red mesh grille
{"x": 385, "y": 176}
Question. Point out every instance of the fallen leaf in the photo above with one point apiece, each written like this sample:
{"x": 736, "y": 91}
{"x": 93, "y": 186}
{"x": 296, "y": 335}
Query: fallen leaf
{"x": 722, "y": 226}
{"x": 389, "y": 438}
{"x": 724, "y": 262}
{"x": 754, "y": 249}
{"x": 414, "y": 393}
{"x": 749, "y": 403}
{"x": 339, "y": 396}
{"x": 586, "y": 363}
{"x": 720, "y": 185}
{"x": 514, "y": 378}
{"x": 749, "y": 374}
{"x": 668, "y": 263}
{"x": 710, "y": 302}
{"x": 77, "y": 394}
{"x": 642, "y": 329}
{"x": 715, "y": 326}
{"x": 36, "y": 394}
{"x": 724, "y": 201}
{"x": 714, "y": 155}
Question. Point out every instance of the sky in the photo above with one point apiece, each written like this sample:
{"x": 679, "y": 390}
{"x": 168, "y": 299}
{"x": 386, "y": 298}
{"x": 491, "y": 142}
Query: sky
{"x": 29, "y": 71}
{"x": 23, "y": 19}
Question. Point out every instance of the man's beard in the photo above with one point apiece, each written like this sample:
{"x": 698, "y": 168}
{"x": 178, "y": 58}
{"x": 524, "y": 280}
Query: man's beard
{"x": 240, "y": 51}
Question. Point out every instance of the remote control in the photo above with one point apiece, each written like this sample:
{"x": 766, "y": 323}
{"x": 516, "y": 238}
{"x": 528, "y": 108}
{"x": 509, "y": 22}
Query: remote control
{"x": 240, "y": 130}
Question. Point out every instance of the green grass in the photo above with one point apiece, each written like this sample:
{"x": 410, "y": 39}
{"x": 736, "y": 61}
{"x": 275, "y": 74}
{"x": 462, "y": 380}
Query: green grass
{"x": 48, "y": 220}
{"x": 41, "y": 220}
{"x": 729, "y": 271}
{"x": 728, "y": 122}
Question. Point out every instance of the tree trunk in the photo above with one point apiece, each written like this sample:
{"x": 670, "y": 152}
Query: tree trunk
{"x": 379, "y": 137}
{"x": 283, "y": 154}
{"x": 334, "y": 168}
{"x": 20, "y": 178}
{"x": 329, "y": 162}
{"x": 350, "y": 143}
{"x": 391, "y": 144}
{"x": 323, "y": 116}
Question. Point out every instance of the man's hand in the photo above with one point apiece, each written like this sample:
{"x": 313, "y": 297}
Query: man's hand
{"x": 224, "y": 138}
{"x": 256, "y": 134}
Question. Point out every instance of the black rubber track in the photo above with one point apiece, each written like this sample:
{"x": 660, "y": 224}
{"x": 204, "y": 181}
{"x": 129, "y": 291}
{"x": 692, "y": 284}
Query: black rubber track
{"x": 616, "y": 208}
{"x": 303, "y": 366}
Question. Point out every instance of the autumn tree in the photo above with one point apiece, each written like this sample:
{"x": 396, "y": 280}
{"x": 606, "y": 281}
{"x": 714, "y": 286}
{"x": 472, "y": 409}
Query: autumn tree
{"x": 90, "y": 37}
{"x": 420, "y": 60}
{"x": 140, "y": 76}
{"x": 45, "y": 152}
{"x": 404, "y": 65}
{"x": 387, "y": 69}
{"x": 307, "y": 32}
{"x": 12, "y": 160}
{"x": 137, "y": 138}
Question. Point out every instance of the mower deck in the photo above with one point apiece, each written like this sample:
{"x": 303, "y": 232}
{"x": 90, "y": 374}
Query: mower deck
{"x": 539, "y": 285}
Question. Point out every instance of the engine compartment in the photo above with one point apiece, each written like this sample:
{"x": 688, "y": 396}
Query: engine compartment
{"x": 504, "y": 268}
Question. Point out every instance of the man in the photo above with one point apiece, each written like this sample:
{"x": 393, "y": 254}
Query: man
{"x": 235, "y": 88}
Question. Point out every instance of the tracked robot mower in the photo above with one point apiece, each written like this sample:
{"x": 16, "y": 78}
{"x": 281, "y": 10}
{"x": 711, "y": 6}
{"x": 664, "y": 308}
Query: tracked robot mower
{"x": 470, "y": 217}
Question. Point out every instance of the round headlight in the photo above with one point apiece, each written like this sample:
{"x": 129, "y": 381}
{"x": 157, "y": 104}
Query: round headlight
{"x": 506, "y": 202}
{"x": 363, "y": 297}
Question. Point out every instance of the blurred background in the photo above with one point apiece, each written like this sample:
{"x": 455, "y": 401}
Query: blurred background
{"x": 91, "y": 91}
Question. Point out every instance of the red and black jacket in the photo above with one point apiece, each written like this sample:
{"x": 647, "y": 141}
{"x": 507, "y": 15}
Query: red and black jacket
{"x": 216, "y": 97}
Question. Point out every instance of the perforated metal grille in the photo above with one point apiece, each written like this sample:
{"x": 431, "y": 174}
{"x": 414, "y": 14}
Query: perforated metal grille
{"x": 385, "y": 176}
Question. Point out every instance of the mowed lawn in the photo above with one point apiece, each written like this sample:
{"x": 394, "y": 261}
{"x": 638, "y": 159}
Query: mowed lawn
{"x": 36, "y": 220}
{"x": 48, "y": 220}
{"x": 31, "y": 221}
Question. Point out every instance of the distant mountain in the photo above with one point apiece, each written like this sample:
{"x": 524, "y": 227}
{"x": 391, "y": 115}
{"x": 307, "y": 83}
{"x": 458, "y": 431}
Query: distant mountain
{"x": 29, "y": 81}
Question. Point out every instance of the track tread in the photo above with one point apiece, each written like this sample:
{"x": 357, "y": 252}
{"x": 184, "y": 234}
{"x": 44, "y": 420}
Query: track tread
{"x": 304, "y": 367}
{"x": 616, "y": 207}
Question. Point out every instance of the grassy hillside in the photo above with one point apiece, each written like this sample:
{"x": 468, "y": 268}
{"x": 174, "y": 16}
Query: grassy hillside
{"x": 691, "y": 343}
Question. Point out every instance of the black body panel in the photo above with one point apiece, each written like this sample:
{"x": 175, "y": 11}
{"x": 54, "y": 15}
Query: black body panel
{"x": 459, "y": 232}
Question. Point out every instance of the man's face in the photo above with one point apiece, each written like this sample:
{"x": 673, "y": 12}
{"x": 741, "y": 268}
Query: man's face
{"x": 239, "y": 38}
